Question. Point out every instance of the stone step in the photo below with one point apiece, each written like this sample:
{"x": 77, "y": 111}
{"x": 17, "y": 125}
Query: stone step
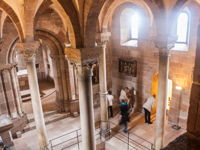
{"x": 46, "y": 114}
{"x": 27, "y": 97}
{"x": 49, "y": 118}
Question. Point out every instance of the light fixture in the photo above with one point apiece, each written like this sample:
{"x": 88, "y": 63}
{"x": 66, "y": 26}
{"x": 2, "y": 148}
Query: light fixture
{"x": 179, "y": 88}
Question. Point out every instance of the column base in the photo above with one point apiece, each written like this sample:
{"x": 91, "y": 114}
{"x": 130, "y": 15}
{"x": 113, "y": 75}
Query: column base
{"x": 105, "y": 134}
{"x": 176, "y": 127}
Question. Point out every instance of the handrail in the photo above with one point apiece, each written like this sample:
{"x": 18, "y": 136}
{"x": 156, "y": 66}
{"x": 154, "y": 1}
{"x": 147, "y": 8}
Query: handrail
{"x": 123, "y": 140}
{"x": 66, "y": 134}
{"x": 151, "y": 144}
{"x": 43, "y": 98}
{"x": 130, "y": 142}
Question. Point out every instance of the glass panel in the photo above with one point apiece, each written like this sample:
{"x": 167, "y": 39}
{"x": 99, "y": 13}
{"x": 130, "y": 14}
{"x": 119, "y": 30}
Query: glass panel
{"x": 182, "y": 27}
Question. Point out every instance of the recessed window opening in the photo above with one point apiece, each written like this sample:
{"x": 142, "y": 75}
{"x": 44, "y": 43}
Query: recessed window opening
{"x": 182, "y": 28}
{"x": 129, "y": 27}
{"x": 182, "y": 31}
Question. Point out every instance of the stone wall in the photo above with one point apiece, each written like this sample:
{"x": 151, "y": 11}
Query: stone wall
{"x": 146, "y": 55}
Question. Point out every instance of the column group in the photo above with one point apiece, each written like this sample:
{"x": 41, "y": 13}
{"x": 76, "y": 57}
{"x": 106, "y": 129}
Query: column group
{"x": 10, "y": 91}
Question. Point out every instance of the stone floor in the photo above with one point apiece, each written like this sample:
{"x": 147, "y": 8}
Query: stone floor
{"x": 137, "y": 129}
{"x": 140, "y": 133}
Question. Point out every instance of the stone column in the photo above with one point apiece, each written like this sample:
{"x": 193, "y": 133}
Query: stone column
{"x": 103, "y": 91}
{"x": 64, "y": 82}
{"x": 29, "y": 51}
{"x": 162, "y": 97}
{"x": 8, "y": 91}
{"x": 102, "y": 39}
{"x": 75, "y": 79}
{"x": 58, "y": 82}
{"x": 45, "y": 60}
{"x": 4, "y": 93}
{"x": 86, "y": 108}
{"x": 15, "y": 89}
{"x": 16, "y": 85}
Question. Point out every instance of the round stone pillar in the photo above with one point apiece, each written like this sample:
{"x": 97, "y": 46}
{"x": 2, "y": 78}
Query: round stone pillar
{"x": 15, "y": 88}
{"x": 58, "y": 82}
{"x": 162, "y": 98}
{"x": 86, "y": 108}
{"x": 29, "y": 51}
{"x": 102, "y": 39}
{"x": 103, "y": 91}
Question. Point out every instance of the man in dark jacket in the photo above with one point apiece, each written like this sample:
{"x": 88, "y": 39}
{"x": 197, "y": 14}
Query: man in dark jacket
{"x": 124, "y": 115}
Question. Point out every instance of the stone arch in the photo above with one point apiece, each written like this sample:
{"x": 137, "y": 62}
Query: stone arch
{"x": 101, "y": 10}
{"x": 15, "y": 19}
{"x": 92, "y": 20}
{"x": 57, "y": 54}
{"x": 51, "y": 37}
{"x": 108, "y": 11}
{"x": 71, "y": 11}
{"x": 2, "y": 18}
{"x": 67, "y": 24}
{"x": 39, "y": 33}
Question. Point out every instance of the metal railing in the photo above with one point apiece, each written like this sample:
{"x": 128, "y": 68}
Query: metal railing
{"x": 73, "y": 138}
{"x": 130, "y": 141}
{"x": 68, "y": 140}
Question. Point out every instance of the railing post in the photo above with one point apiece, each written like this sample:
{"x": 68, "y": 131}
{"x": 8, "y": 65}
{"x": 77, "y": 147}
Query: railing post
{"x": 51, "y": 145}
{"x": 77, "y": 138}
{"x": 128, "y": 140}
{"x": 152, "y": 147}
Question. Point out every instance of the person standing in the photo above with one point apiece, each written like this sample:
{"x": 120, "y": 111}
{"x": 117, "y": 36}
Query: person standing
{"x": 110, "y": 99}
{"x": 148, "y": 106}
{"x": 123, "y": 94}
{"x": 124, "y": 115}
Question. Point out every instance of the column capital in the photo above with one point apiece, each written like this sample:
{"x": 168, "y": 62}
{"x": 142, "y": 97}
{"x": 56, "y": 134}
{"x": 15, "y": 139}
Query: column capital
{"x": 7, "y": 66}
{"x": 102, "y": 38}
{"x": 29, "y": 49}
{"x": 164, "y": 52}
{"x": 165, "y": 42}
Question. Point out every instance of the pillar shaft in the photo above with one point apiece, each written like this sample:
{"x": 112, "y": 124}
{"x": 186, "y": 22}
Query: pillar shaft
{"x": 64, "y": 82}
{"x": 162, "y": 98}
{"x": 45, "y": 60}
{"x": 103, "y": 90}
{"x": 36, "y": 103}
{"x": 16, "y": 86}
{"x": 58, "y": 83}
{"x": 86, "y": 108}
{"x": 15, "y": 92}
{"x": 4, "y": 92}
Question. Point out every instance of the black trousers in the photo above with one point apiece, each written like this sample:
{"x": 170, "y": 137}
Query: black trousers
{"x": 110, "y": 111}
{"x": 147, "y": 115}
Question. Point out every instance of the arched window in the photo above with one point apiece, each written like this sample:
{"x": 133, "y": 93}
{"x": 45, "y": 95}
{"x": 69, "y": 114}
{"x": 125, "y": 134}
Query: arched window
{"x": 183, "y": 28}
{"x": 182, "y": 32}
{"x": 129, "y": 27}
